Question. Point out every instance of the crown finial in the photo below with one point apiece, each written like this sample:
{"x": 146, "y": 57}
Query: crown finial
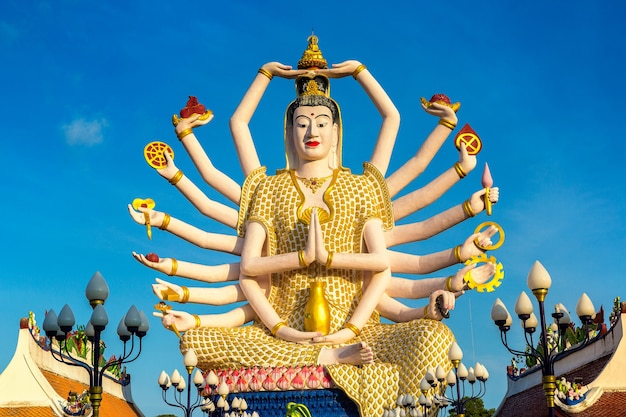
{"x": 312, "y": 57}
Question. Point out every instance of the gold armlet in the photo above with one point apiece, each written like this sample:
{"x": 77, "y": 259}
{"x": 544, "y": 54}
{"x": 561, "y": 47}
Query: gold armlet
{"x": 447, "y": 123}
{"x": 467, "y": 208}
{"x": 181, "y": 135}
{"x": 185, "y": 294}
{"x": 174, "y": 180}
{"x": 303, "y": 263}
{"x": 449, "y": 283}
{"x": 174, "y": 267}
{"x": 352, "y": 328}
{"x": 459, "y": 170}
{"x": 277, "y": 327}
{"x": 457, "y": 254}
{"x": 266, "y": 73}
{"x": 165, "y": 222}
{"x": 329, "y": 261}
{"x": 197, "y": 318}
{"x": 358, "y": 70}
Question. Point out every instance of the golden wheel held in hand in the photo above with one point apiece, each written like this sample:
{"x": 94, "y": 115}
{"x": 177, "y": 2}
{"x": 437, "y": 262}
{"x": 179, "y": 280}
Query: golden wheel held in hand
{"x": 153, "y": 152}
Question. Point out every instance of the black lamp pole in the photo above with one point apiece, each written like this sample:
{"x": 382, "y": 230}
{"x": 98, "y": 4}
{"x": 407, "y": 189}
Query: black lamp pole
{"x": 133, "y": 324}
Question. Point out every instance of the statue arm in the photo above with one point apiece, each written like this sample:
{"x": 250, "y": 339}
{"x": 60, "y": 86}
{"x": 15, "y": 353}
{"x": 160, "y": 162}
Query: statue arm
{"x": 205, "y": 205}
{"x": 425, "y": 264}
{"x": 200, "y": 238}
{"x": 436, "y": 224}
{"x": 421, "y": 198}
{"x": 211, "y": 175}
{"x": 185, "y": 321}
{"x": 240, "y": 120}
{"x": 416, "y": 165}
{"x": 216, "y": 296}
{"x": 198, "y": 272}
{"x": 388, "y": 111}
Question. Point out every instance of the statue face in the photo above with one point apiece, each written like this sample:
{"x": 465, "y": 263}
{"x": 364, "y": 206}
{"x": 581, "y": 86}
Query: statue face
{"x": 314, "y": 134}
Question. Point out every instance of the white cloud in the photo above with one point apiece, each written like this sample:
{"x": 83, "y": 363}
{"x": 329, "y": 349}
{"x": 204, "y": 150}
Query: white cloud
{"x": 84, "y": 132}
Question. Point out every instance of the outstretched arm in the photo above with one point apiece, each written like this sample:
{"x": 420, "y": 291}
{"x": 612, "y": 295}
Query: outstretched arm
{"x": 388, "y": 111}
{"x": 416, "y": 264}
{"x": 206, "y": 240}
{"x": 436, "y": 224}
{"x": 211, "y": 175}
{"x": 185, "y": 321}
{"x": 240, "y": 120}
{"x": 204, "y": 273}
{"x": 421, "y": 198}
{"x": 215, "y": 296}
{"x": 416, "y": 165}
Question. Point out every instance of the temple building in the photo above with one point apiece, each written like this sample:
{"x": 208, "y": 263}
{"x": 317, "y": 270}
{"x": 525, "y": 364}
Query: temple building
{"x": 593, "y": 380}
{"x": 35, "y": 384}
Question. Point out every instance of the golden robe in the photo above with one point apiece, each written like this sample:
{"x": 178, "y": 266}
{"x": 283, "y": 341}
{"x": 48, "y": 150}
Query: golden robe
{"x": 402, "y": 351}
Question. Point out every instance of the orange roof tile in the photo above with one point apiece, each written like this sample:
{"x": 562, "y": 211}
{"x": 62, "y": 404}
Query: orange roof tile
{"x": 111, "y": 406}
{"x": 26, "y": 412}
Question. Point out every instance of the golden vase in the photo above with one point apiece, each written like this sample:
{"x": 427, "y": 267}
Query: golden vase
{"x": 316, "y": 310}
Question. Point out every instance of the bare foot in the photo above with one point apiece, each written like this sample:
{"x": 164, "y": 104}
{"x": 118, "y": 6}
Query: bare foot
{"x": 355, "y": 354}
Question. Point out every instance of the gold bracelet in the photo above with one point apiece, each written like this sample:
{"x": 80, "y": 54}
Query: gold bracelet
{"x": 352, "y": 328}
{"x": 459, "y": 170}
{"x": 467, "y": 208}
{"x": 329, "y": 260}
{"x": 197, "y": 318}
{"x": 447, "y": 123}
{"x": 174, "y": 180}
{"x": 426, "y": 313}
{"x": 266, "y": 73}
{"x": 181, "y": 135}
{"x": 303, "y": 263}
{"x": 277, "y": 327}
{"x": 358, "y": 70}
{"x": 449, "y": 283}
{"x": 174, "y": 267}
{"x": 457, "y": 254}
{"x": 165, "y": 222}
{"x": 185, "y": 294}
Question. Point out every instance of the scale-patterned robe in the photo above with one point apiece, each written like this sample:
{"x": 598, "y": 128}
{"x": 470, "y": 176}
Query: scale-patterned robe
{"x": 402, "y": 351}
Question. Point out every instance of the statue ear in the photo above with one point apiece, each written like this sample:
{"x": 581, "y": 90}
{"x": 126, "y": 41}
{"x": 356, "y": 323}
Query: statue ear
{"x": 335, "y": 134}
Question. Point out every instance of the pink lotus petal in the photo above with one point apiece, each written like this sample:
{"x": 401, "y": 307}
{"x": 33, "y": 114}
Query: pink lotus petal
{"x": 283, "y": 383}
{"x": 313, "y": 381}
{"x": 327, "y": 382}
{"x": 269, "y": 384}
{"x": 297, "y": 382}
{"x": 255, "y": 384}
{"x": 241, "y": 385}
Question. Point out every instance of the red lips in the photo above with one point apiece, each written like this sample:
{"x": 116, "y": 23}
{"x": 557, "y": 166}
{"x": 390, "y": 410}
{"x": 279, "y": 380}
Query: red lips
{"x": 312, "y": 144}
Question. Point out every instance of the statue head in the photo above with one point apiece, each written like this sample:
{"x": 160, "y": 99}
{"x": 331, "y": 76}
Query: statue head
{"x": 312, "y": 90}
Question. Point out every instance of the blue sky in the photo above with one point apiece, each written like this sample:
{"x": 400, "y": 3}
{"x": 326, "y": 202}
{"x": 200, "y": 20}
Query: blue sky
{"x": 88, "y": 84}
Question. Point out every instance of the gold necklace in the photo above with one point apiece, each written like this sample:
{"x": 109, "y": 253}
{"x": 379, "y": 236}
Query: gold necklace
{"x": 314, "y": 183}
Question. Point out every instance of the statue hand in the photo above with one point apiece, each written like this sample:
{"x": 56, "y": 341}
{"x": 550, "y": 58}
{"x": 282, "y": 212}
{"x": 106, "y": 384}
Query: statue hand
{"x": 477, "y": 199}
{"x": 194, "y": 120}
{"x": 446, "y": 303}
{"x": 467, "y": 161}
{"x": 442, "y": 111}
{"x": 281, "y": 70}
{"x": 321, "y": 254}
{"x": 483, "y": 273}
{"x": 310, "y": 248}
{"x": 292, "y": 335}
{"x": 163, "y": 285}
{"x": 164, "y": 265}
{"x": 339, "y": 337}
{"x": 156, "y": 217}
{"x": 170, "y": 168}
{"x": 343, "y": 69}
{"x": 469, "y": 249}
{"x": 182, "y": 320}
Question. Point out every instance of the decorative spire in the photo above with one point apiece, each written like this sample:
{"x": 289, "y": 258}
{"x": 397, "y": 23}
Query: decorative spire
{"x": 312, "y": 57}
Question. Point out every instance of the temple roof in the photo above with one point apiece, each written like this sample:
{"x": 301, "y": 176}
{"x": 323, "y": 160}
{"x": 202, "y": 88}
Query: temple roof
{"x": 600, "y": 368}
{"x": 34, "y": 384}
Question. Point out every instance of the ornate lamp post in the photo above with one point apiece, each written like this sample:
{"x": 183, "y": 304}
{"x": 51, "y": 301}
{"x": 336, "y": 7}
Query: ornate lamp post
{"x": 134, "y": 323}
{"x": 433, "y": 387}
{"x": 210, "y": 394}
{"x": 204, "y": 389}
{"x": 539, "y": 282}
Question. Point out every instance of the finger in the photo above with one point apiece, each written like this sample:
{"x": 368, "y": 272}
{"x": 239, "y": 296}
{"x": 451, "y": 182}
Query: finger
{"x": 163, "y": 282}
{"x": 157, "y": 314}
